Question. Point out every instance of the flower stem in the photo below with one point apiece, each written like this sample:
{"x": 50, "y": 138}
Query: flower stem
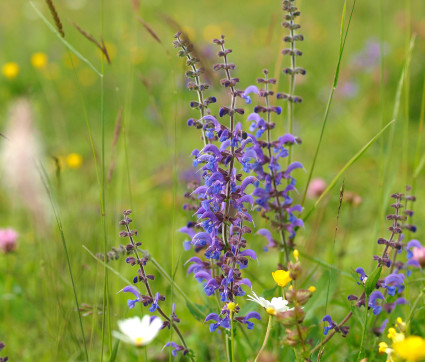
{"x": 412, "y": 310}
{"x": 364, "y": 328}
{"x": 232, "y": 337}
{"x": 266, "y": 338}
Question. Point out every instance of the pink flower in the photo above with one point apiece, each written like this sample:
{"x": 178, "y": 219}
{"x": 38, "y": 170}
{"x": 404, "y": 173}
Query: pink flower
{"x": 316, "y": 187}
{"x": 8, "y": 239}
{"x": 419, "y": 256}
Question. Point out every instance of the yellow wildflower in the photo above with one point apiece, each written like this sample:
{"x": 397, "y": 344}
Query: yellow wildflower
{"x": 39, "y": 60}
{"x": 411, "y": 348}
{"x": 394, "y": 336}
{"x": 400, "y": 324}
{"x": 281, "y": 277}
{"x": 296, "y": 254}
{"x": 211, "y": 31}
{"x": 312, "y": 289}
{"x": 74, "y": 160}
{"x": 383, "y": 347}
{"x": 10, "y": 70}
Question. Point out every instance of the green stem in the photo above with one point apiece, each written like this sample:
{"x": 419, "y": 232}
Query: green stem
{"x": 266, "y": 338}
{"x": 364, "y": 328}
{"x": 412, "y": 310}
{"x": 232, "y": 339}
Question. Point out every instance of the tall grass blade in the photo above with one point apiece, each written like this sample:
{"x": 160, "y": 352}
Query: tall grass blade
{"x": 347, "y": 165}
{"x": 343, "y": 39}
{"x": 69, "y": 46}
{"x": 49, "y": 191}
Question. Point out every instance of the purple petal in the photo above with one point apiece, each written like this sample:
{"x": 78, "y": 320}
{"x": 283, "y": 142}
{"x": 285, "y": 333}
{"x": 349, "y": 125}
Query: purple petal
{"x": 203, "y": 275}
{"x": 414, "y": 244}
{"x": 212, "y": 148}
{"x": 250, "y": 253}
{"x": 266, "y": 233}
{"x": 287, "y": 138}
{"x": 254, "y": 117}
{"x": 247, "y": 181}
{"x": 291, "y": 167}
{"x": 250, "y": 89}
{"x": 213, "y": 316}
{"x": 245, "y": 281}
{"x": 130, "y": 289}
{"x": 246, "y": 198}
{"x": 203, "y": 236}
{"x": 251, "y": 315}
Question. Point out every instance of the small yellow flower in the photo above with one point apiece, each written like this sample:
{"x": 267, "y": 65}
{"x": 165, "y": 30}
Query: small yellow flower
{"x": 411, "y": 348}
{"x": 296, "y": 254}
{"x": 400, "y": 324}
{"x": 74, "y": 160}
{"x": 312, "y": 289}
{"x": 383, "y": 347}
{"x": 39, "y": 60}
{"x": 394, "y": 336}
{"x": 232, "y": 306}
{"x": 291, "y": 287}
{"x": 10, "y": 70}
{"x": 281, "y": 277}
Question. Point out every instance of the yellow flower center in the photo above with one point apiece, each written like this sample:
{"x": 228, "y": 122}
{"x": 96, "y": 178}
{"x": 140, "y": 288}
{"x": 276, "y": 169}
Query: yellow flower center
{"x": 139, "y": 341}
{"x": 231, "y": 306}
{"x": 271, "y": 311}
{"x": 281, "y": 277}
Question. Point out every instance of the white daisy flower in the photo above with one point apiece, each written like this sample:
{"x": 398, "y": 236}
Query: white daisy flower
{"x": 138, "y": 331}
{"x": 276, "y": 305}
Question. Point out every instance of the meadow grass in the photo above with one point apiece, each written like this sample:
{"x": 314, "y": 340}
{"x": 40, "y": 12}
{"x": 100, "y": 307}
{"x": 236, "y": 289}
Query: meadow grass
{"x": 370, "y": 132}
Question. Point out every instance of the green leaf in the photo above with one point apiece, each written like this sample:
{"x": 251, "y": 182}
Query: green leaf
{"x": 269, "y": 293}
{"x": 196, "y": 312}
{"x": 372, "y": 280}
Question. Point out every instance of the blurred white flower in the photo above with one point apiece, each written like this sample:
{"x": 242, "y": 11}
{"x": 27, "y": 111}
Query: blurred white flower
{"x": 272, "y": 307}
{"x": 138, "y": 332}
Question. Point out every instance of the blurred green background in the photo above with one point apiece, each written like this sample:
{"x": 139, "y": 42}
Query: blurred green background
{"x": 147, "y": 169}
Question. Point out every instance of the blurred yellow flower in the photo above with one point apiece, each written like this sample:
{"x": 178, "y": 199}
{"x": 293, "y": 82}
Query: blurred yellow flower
{"x": 70, "y": 60}
{"x": 74, "y": 160}
{"x": 411, "y": 348}
{"x": 39, "y": 60}
{"x": 312, "y": 289}
{"x": 281, "y": 277}
{"x": 211, "y": 32}
{"x": 10, "y": 70}
{"x": 189, "y": 32}
{"x": 296, "y": 254}
{"x": 383, "y": 347}
{"x": 86, "y": 77}
{"x": 137, "y": 55}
